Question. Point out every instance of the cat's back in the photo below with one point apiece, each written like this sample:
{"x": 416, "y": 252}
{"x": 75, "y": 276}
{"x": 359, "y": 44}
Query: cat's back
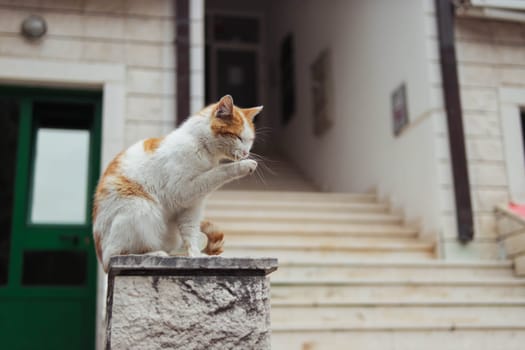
{"x": 144, "y": 167}
{"x": 125, "y": 177}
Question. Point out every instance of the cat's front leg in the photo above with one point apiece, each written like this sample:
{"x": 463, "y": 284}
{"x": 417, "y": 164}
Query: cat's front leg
{"x": 214, "y": 178}
{"x": 192, "y": 247}
{"x": 190, "y": 233}
{"x": 191, "y": 241}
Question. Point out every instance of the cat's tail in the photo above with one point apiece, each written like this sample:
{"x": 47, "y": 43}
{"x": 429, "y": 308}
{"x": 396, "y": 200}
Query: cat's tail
{"x": 215, "y": 238}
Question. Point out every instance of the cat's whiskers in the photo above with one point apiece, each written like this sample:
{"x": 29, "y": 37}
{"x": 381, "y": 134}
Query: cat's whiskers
{"x": 261, "y": 134}
{"x": 263, "y": 168}
{"x": 263, "y": 162}
{"x": 261, "y": 177}
{"x": 260, "y": 174}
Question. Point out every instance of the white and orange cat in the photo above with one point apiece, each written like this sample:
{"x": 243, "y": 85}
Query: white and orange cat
{"x": 150, "y": 198}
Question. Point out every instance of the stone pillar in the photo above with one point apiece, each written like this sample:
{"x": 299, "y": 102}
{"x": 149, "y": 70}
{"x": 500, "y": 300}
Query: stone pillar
{"x": 188, "y": 303}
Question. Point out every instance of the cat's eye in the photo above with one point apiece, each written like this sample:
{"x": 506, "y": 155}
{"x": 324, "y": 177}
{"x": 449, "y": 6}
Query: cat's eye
{"x": 232, "y": 135}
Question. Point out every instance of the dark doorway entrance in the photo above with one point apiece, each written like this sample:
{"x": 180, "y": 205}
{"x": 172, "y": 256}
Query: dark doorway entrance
{"x": 233, "y": 50}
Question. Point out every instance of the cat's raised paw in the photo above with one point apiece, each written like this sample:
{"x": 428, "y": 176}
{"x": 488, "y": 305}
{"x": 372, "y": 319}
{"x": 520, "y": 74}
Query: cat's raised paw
{"x": 248, "y": 166}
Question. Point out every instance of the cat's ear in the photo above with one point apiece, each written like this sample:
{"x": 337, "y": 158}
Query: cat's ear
{"x": 252, "y": 112}
{"x": 224, "y": 108}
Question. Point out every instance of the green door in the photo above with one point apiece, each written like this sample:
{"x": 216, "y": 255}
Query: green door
{"x": 49, "y": 151}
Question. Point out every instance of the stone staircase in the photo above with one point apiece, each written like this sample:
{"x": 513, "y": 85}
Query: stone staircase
{"x": 352, "y": 276}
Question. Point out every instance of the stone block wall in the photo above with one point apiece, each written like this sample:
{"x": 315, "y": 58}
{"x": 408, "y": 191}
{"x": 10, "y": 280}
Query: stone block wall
{"x": 138, "y": 34}
{"x": 491, "y": 56}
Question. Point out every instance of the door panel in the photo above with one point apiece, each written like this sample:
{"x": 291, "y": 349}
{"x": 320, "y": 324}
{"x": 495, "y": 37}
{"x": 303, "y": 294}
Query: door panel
{"x": 54, "y": 268}
{"x": 51, "y": 283}
{"x": 48, "y": 324}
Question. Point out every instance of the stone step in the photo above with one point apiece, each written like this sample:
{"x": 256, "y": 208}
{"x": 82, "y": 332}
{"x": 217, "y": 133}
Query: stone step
{"x": 277, "y": 185}
{"x": 471, "y": 303}
{"x": 355, "y": 254}
{"x": 319, "y": 241}
{"x": 390, "y": 337}
{"x": 392, "y": 271}
{"x": 278, "y": 228}
{"x": 295, "y": 206}
{"x": 305, "y": 218}
{"x": 405, "y": 245}
{"x": 295, "y": 196}
{"x": 370, "y": 292}
{"x": 430, "y": 315}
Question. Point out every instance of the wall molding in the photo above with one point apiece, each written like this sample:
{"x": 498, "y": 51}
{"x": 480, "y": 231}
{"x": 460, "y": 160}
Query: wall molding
{"x": 512, "y": 101}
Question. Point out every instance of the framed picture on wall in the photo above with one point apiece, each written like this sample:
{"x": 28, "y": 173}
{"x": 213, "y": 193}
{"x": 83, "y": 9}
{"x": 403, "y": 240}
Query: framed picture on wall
{"x": 287, "y": 79}
{"x": 399, "y": 109}
{"x": 322, "y": 93}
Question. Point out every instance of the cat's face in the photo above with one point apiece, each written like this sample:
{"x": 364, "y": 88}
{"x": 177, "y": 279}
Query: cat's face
{"x": 233, "y": 128}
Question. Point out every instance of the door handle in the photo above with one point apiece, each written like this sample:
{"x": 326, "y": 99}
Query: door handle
{"x": 70, "y": 238}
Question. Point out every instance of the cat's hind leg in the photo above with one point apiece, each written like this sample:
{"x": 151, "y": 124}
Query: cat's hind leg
{"x": 215, "y": 245}
{"x": 137, "y": 228}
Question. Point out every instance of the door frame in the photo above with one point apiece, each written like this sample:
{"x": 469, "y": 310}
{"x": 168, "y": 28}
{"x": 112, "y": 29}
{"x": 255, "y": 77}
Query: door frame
{"x": 27, "y": 236}
{"x": 106, "y": 77}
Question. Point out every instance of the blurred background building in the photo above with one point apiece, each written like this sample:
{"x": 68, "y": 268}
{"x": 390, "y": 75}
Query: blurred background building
{"x": 394, "y": 129}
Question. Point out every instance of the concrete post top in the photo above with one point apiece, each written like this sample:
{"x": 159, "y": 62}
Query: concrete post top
{"x": 212, "y": 265}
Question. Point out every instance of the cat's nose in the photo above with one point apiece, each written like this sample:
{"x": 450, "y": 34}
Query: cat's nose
{"x": 245, "y": 154}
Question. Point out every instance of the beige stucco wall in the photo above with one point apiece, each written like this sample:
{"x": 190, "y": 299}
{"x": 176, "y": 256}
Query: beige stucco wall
{"x": 413, "y": 171}
{"x": 376, "y": 46}
{"x": 491, "y": 57}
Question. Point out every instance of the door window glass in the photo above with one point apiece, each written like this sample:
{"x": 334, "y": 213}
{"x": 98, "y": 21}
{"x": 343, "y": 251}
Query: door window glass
{"x": 59, "y": 188}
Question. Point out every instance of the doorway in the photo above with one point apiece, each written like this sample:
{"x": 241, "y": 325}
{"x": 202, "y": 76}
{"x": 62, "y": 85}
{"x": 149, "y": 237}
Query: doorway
{"x": 51, "y": 158}
{"x": 233, "y": 57}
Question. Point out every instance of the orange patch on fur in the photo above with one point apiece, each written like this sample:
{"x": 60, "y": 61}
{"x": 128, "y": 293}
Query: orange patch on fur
{"x": 102, "y": 190}
{"x": 113, "y": 166}
{"x": 129, "y": 188}
{"x": 232, "y": 125}
{"x": 151, "y": 145}
{"x": 98, "y": 246}
{"x": 94, "y": 212}
{"x": 206, "y": 226}
{"x": 215, "y": 239}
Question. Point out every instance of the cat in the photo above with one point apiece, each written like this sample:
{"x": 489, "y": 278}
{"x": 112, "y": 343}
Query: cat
{"x": 150, "y": 198}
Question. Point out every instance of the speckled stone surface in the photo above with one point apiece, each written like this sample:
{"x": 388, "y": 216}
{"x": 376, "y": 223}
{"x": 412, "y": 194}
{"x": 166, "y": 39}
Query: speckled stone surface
{"x": 188, "y": 303}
